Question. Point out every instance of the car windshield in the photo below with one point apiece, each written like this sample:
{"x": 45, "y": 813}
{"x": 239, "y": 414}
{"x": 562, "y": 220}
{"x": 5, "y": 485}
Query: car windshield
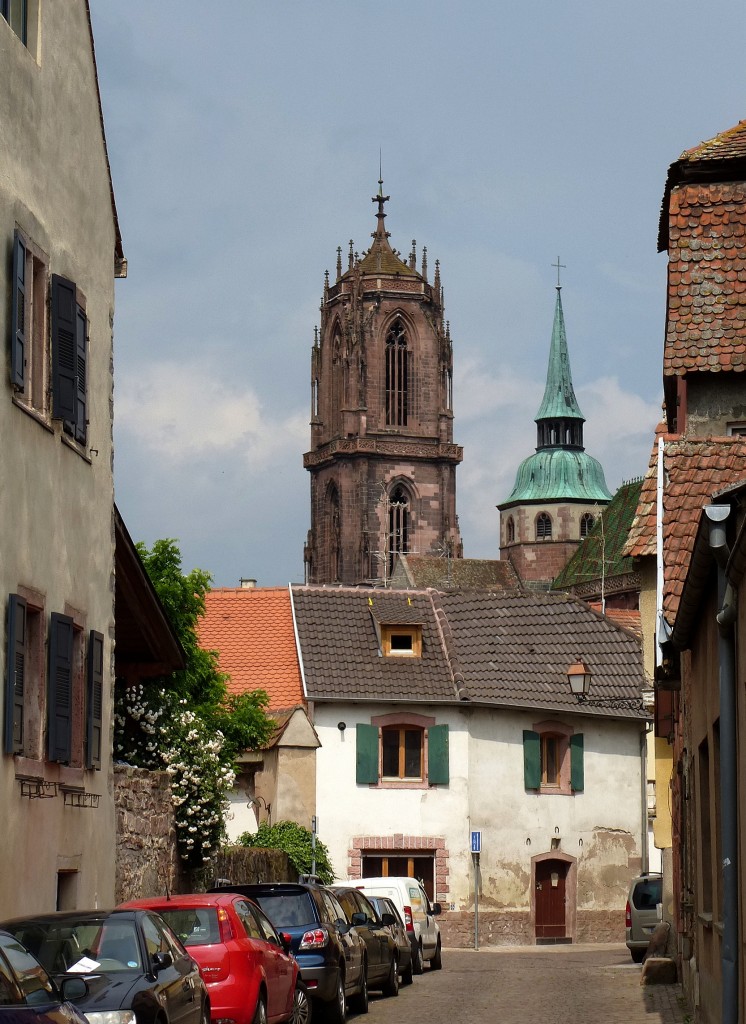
{"x": 195, "y": 926}
{"x": 288, "y": 909}
{"x": 82, "y": 946}
{"x": 647, "y": 894}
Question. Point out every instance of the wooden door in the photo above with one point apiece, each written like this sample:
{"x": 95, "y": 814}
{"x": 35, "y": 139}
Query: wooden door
{"x": 549, "y": 883}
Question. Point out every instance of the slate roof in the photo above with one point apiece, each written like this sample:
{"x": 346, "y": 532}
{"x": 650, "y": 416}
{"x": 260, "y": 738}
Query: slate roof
{"x": 494, "y": 647}
{"x": 252, "y": 631}
{"x": 694, "y": 471}
{"x": 605, "y": 541}
{"x": 419, "y": 572}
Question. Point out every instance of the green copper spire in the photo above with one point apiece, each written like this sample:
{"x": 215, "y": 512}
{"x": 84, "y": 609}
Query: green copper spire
{"x": 559, "y": 397}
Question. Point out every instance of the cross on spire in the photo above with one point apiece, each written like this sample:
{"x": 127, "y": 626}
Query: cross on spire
{"x": 558, "y": 265}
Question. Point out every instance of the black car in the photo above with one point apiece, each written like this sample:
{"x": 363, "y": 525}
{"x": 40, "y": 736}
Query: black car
{"x": 382, "y": 958}
{"x": 136, "y": 970}
{"x": 28, "y": 995}
{"x": 383, "y": 905}
{"x": 330, "y": 953}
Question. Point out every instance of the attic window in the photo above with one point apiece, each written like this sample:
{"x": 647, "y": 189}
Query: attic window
{"x": 401, "y": 641}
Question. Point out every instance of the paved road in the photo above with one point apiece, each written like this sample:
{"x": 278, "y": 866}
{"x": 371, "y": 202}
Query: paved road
{"x": 532, "y": 985}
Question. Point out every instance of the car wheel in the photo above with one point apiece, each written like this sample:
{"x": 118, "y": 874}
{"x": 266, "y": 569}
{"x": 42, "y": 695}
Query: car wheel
{"x": 417, "y": 960}
{"x": 360, "y": 1001}
{"x": 437, "y": 961}
{"x": 637, "y": 955}
{"x": 407, "y": 975}
{"x": 301, "y": 1005}
{"x": 260, "y": 1013}
{"x": 336, "y": 1010}
{"x": 391, "y": 985}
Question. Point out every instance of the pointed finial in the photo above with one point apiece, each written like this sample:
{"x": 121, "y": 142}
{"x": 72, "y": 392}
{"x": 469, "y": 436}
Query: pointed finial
{"x": 558, "y": 265}
{"x": 413, "y": 255}
{"x": 326, "y": 285}
{"x": 315, "y": 337}
{"x": 351, "y": 257}
{"x": 339, "y": 261}
{"x": 424, "y": 261}
{"x": 436, "y": 281}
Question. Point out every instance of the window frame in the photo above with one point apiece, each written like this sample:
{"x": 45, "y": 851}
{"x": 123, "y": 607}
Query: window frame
{"x": 570, "y": 776}
{"x": 397, "y": 374}
{"x": 30, "y": 328}
{"x": 391, "y": 630}
{"x": 543, "y": 526}
{"x": 587, "y": 522}
{"x": 435, "y": 762}
{"x": 402, "y": 751}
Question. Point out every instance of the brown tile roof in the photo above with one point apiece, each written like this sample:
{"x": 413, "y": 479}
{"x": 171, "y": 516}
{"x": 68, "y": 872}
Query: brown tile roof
{"x": 495, "y": 647}
{"x": 252, "y": 631}
{"x": 694, "y": 471}
{"x": 627, "y": 618}
{"x": 728, "y": 145}
{"x": 419, "y": 572}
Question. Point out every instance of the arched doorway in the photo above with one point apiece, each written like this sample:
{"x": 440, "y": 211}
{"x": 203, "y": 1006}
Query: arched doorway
{"x": 553, "y": 897}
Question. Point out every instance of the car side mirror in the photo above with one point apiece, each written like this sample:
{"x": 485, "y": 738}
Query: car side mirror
{"x": 161, "y": 960}
{"x": 359, "y": 918}
{"x": 285, "y": 941}
{"x": 342, "y": 925}
{"x": 72, "y": 988}
{"x": 388, "y": 919}
{"x": 436, "y": 909}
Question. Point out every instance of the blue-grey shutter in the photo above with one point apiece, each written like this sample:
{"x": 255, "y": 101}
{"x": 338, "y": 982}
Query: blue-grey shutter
{"x": 18, "y": 315}
{"x": 81, "y": 374}
{"x": 437, "y": 755}
{"x": 15, "y": 662}
{"x": 366, "y": 754}
{"x": 577, "y": 772}
{"x": 64, "y": 350}
{"x": 94, "y": 699}
{"x": 60, "y": 688}
{"x": 531, "y": 759}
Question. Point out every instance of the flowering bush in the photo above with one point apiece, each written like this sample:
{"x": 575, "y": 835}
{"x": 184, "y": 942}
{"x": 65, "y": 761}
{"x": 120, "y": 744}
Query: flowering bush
{"x": 296, "y": 841}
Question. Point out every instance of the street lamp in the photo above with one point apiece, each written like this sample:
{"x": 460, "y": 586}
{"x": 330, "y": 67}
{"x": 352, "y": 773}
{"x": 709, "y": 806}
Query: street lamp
{"x": 257, "y": 802}
{"x": 579, "y": 678}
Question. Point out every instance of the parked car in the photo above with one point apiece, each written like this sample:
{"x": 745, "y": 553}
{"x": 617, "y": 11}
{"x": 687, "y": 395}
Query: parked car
{"x": 642, "y": 913}
{"x": 417, "y": 913}
{"x": 381, "y": 957}
{"x": 28, "y": 995}
{"x": 250, "y": 975}
{"x": 136, "y": 969}
{"x": 383, "y": 905}
{"x": 329, "y": 952}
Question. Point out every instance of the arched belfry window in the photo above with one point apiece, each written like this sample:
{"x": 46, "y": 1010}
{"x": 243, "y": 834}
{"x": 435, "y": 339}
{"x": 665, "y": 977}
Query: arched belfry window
{"x": 399, "y": 524}
{"x": 543, "y": 526}
{"x": 586, "y": 524}
{"x": 338, "y": 384}
{"x": 397, "y": 375}
{"x": 510, "y": 530}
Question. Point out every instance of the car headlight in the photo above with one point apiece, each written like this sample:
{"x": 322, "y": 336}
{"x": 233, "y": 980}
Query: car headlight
{"x": 110, "y": 1016}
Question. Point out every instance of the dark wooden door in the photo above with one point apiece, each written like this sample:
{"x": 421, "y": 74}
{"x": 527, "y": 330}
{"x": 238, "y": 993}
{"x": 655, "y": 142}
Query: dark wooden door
{"x": 550, "y": 899}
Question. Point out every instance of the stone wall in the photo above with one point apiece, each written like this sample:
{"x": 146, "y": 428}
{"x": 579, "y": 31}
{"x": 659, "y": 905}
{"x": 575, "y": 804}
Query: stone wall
{"x": 147, "y": 863}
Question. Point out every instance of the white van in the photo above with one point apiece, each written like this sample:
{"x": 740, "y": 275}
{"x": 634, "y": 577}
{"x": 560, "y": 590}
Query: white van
{"x": 417, "y": 913}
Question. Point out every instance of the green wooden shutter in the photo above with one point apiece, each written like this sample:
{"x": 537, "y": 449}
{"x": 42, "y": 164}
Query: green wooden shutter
{"x": 60, "y": 688}
{"x": 366, "y": 754}
{"x": 531, "y": 759}
{"x": 577, "y": 774}
{"x": 18, "y": 315}
{"x": 14, "y": 677}
{"x": 94, "y": 699}
{"x": 437, "y": 755}
{"x": 64, "y": 351}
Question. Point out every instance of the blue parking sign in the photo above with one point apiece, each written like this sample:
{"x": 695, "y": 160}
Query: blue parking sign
{"x": 476, "y": 842}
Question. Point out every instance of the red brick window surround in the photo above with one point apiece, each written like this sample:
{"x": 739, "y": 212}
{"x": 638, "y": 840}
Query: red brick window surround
{"x": 401, "y": 846}
{"x": 554, "y": 737}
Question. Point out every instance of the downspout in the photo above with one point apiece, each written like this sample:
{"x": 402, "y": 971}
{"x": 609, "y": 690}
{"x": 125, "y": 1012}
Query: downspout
{"x": 726, "y": 616}
{"x": 644, "y": 767}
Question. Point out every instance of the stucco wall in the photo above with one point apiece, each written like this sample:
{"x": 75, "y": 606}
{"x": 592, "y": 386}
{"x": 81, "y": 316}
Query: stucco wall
{"x": 598, "y": 830}
{"x": 56, "y": 499}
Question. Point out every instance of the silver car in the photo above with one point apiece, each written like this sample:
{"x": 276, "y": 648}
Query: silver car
{"x": 643, "y": 912}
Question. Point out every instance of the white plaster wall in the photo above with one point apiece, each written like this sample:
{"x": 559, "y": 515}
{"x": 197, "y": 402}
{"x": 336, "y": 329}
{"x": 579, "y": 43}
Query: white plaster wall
{"x": 600, "y": 827}
{"x": 56, "y": 507}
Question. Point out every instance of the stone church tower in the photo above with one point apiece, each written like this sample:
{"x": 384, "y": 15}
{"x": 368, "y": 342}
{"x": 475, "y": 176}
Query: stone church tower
{"x": 382, "y": 459}
{"x": 560, "y": 489}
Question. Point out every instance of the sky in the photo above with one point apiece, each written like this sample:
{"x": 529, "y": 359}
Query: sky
{"x": 244, "y": 141}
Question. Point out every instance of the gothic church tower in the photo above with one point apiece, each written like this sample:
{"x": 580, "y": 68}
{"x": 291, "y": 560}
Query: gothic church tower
{"x": 382, "y": 459}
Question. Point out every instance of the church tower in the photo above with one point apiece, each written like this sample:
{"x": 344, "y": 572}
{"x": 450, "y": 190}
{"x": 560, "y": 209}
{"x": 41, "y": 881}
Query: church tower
{"x": 560, "y": 489}
{"x": 382, "y": 459}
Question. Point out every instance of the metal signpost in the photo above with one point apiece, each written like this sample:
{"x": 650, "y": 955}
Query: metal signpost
{"x": 476, "y": 849}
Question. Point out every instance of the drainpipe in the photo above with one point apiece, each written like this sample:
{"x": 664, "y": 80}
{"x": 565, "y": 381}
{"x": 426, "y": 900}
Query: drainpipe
{"x": 644, "y": 767}
{"x": 717, "y": 516}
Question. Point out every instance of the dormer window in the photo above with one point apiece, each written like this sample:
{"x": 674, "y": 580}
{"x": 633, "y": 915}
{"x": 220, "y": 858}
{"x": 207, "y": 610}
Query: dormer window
{"x": 401, "y": 641}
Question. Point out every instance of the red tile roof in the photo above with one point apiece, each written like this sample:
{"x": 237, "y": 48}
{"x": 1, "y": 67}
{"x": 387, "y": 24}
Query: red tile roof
{"x": 694, "y": 471}
{"x": 252, "y": 631}
{"x": 728, "y": 145}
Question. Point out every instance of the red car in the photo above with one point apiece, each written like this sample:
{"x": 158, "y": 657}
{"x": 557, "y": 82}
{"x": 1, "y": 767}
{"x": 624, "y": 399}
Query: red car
{"x": 251, "y": 978}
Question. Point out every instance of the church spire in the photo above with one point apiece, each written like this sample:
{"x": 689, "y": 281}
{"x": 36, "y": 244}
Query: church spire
{"x": 559, "y": 402}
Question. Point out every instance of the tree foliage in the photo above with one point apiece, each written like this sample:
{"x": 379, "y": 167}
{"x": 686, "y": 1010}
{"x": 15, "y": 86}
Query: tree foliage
{"x": 296, "y": 841}
{"x": 187, "y": 723}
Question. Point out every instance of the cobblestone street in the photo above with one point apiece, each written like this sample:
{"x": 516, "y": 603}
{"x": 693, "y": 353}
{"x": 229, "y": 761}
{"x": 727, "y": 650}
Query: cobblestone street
{"x": 527, "y": 984}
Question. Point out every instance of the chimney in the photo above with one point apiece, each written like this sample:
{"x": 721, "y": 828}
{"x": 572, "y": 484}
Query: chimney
{"x": 247, "y": 584}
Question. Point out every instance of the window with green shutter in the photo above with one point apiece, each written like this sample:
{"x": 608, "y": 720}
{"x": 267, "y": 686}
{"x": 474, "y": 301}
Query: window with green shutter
{"x": 437, "y": 755}
{"x": 531, "y": 759}
{"x": 366, "y": 754}
{"x": 577, "y": 771}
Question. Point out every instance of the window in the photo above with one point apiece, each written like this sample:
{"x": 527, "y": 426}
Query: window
{"x": 399, "y": 524}
{"x": 29, "y": 362}
{"x": 401, "y": 641}
{"x": 553, "y": 759}
{"x": 736, "y": 429}
{"x": 25, "y": 675}
{"x": 402, "y": 750}
{"x": 510, "y": 530}
{"x": 397, "y": 375}
{"x": 332, "y": 545}
{"x": 586, "y": 524}
{"x": 69, "y": 358}
{"x": 543, "y": 526}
